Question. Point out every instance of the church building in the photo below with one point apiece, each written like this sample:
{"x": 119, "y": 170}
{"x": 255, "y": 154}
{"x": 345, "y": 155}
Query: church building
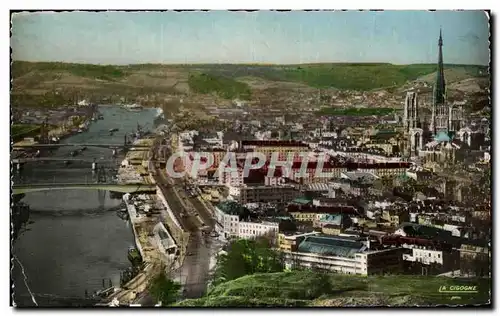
{"x": 435, "y": 138}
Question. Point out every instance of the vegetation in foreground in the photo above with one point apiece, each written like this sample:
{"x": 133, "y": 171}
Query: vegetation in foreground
{"x": 164, "y": 290}
{"x": 246, "y": 257}
{"x": 308, "y": 288}
{"x": 224, "y": 87}
{"x": 251, "y": 274}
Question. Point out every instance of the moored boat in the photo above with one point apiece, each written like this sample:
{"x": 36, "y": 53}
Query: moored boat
{"x": 133, "y": 107}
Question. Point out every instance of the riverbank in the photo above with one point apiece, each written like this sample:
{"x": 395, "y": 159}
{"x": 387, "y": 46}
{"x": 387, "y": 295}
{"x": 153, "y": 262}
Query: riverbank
{"x": 58, "y": 133}
{"x": 78, "y": 229}
{"x": 155, "y": 229}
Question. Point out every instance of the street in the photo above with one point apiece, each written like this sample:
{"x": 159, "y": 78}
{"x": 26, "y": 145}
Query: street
{"x": 194, "y": 272}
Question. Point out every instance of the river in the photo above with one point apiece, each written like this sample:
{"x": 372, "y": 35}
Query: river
{"x": 74, "y": 239}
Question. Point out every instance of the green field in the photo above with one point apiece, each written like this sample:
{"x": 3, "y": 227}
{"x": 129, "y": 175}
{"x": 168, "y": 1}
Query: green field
{"x": 46, "y": 100}
{"x": 306, "y": 288}
{"x": 22, "y": 130}
{"x": 348, "y": 76}
{"x": 356, "y": 111}
{"x": 222, "y": 86}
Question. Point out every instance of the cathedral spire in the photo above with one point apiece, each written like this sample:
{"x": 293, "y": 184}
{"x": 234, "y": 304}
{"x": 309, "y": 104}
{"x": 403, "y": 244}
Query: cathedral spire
{"x": 440, "y": 88}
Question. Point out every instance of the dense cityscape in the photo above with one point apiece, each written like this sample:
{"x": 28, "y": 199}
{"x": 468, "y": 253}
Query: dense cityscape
{"x": 252, "y": 192}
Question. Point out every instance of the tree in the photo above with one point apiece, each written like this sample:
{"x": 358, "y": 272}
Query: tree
{"x": 163, "y": 289}
{"x": 245, "y": 257}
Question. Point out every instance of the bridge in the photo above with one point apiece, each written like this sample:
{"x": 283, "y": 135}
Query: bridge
{"x": 69, "y": 159}
{"x": 113, "y": 187}
{"x": 53, "y": 146}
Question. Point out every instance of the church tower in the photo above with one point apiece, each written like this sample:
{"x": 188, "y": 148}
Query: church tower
{"x": 440, "y": 111}
{"x": 410, "y": 115}
{"x": 411, "y": 123}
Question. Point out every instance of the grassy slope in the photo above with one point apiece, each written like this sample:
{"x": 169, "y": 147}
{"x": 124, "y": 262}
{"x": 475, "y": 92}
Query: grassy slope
{"x": 315, "y": 289}
{"x": 224, "y": 87}
{"x": 341, "y": 75}
{"x": 19, "y": 131}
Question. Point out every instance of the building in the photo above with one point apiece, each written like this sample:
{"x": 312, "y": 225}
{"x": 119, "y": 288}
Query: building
{"x": 235, "y": 221}
{"x": 344, "y": 255}
{"x": 253, "y": 229}
{"x": 268, "y": 147}
{"x": 430, "y": 260}
{"x": 227, "y": 217}
{"x": 475, "y": 260}
{"x": 312, "y": 213}
{"x": 396, "y": 216}
{"x": 263, "y": 193}
{"x": 332, "y": 229}
{"x": 290, "y": 242}
{"x": 445, "y": 118}
{"x": 339, "y": 221}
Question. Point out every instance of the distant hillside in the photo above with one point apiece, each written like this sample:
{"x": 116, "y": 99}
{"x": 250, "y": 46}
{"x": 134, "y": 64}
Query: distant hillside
{"x": 455, "y": 73}
{"x": 225, "y": 80}
{"x": 305, "y": 288}
{"x": 349, "y": 76}
{"x": 224, "y": 87}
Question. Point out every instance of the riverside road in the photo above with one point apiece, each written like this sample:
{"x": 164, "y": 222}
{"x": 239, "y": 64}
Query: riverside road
{"x": 194, "y": 272}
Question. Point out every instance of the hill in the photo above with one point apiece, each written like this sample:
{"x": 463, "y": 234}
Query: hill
{"x": 224, "y": 87}
{"x": 153, "y": 82}
{"x": 348, "y": 76}
{"x": 306, "y": 288}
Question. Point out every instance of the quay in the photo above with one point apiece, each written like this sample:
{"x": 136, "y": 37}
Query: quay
{"x": 158, "y": 235}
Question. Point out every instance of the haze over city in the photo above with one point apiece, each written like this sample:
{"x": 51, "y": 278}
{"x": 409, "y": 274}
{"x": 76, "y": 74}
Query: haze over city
{"x": 402, "y": 37}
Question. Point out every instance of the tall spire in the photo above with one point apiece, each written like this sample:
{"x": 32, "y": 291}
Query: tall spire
{"x": 440, "y": 88}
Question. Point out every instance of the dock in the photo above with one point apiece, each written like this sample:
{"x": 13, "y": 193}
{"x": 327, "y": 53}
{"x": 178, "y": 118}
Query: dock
{"x": 150, "y": 217}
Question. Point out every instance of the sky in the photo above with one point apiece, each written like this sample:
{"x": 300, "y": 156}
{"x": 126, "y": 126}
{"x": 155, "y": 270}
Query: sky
{"x": 398, "y": 37}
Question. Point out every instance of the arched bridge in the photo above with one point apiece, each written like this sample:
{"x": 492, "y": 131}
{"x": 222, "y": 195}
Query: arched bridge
{"x": 114, "y": 187}
{"x": 50, "y": 146}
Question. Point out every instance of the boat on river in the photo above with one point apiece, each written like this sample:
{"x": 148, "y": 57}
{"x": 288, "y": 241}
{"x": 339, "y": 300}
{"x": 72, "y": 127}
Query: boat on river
{"x": 133, "y": 107}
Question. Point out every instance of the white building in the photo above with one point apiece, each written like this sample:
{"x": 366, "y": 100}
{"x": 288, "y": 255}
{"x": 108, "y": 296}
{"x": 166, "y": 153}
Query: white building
{"x": 425, "y": 256}
{"x": 342, "y": 255}
{"x": 254, "y": 229}
{"x": 230, "y": 222}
